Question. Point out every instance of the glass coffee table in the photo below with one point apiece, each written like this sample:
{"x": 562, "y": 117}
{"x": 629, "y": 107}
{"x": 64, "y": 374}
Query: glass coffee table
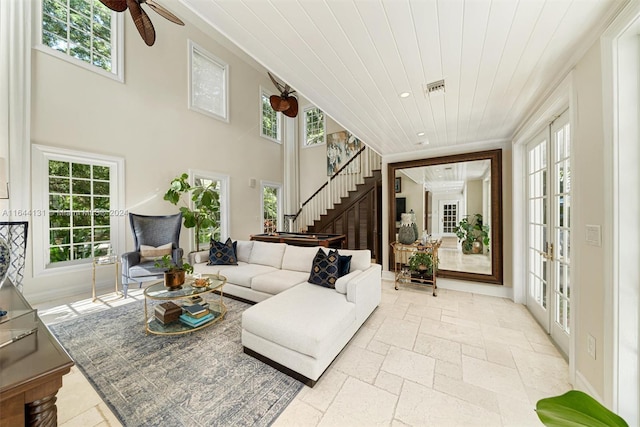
{"x": 157, "y": 293}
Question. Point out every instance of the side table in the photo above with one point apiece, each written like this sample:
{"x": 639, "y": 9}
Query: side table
{"x": 105, "y": 261}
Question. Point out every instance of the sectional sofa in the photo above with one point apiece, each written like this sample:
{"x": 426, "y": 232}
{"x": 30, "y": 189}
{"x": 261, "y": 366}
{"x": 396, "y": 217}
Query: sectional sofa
{"x": 296, "y": 326}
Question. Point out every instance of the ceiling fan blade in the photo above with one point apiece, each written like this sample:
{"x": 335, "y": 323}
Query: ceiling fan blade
{"x": 276, "y": 83}
{"x": 279, "y": 103}
{"x": 142, "y": 21}
{"x": 163, "y": 12}
{"x": 115, "y": 5}
{"x": 292, "y": 111}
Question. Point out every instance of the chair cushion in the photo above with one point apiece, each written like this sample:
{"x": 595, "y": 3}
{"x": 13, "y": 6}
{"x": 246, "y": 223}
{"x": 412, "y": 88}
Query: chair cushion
{"x": 223, "y": 253}
{"x": 306, "y": 318}
{"x": 154, "y": 253}
{"x": 324, "y": 270}
{"x": 145, "y": 269}
{"x": 265, "y": 253}
{"x": 278, "y": 281}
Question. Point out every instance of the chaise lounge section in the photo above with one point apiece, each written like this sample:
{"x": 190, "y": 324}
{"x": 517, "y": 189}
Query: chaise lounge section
{"x": 296, "y": 326}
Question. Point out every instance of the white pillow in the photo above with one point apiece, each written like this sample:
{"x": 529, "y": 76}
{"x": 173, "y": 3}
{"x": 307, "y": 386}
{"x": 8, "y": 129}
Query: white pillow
{"x": 152, "y": 253}
{"x": 243, "y": 250}
{"x": 265, "y": 253}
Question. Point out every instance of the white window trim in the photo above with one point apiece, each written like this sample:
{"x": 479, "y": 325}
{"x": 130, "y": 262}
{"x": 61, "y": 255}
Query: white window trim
{"x": 225, "y": 197}
{"x": 41, "y": 155}
{"x": 304, "y": 128}
{"x": 280, "y": 218}
{"x": 192, "y": 46}
{"x": 268, "y": 93}
{"x": 117, "y": 46}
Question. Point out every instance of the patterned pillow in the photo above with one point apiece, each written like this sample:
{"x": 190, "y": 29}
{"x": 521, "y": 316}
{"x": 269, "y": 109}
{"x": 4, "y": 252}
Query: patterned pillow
{"x": 222, "y": 253}
{"x": 324, "y": 270}
{"x": 344, "y": 263}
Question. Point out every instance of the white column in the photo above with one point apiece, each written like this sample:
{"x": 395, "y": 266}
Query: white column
{"x": 291, "y": 167}
{"x": 15, "y": 93}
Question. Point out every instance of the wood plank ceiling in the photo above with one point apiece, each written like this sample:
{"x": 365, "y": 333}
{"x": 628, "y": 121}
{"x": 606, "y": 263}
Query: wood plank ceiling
{"x": 353, "y": 59}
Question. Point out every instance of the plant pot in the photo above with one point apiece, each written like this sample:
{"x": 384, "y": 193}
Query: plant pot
{"x": 477, "y": 247}
{"x": 174, "y": 279}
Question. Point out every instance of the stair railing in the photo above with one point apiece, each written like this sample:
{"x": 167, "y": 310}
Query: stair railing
{"x": 354, "y": 172}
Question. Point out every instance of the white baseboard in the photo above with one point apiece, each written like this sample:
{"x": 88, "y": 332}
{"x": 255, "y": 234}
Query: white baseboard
{"x": 465, "y": 286}
{"x": 583, "y": 385}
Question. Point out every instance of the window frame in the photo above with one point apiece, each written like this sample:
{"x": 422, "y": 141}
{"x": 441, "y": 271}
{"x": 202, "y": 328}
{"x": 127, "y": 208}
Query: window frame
{"x": 268, "y": 93}
{"x": 224, "y": 66}
{"x": 40, "y": 202}
{"x": 225, "y": 198}
{"x": 117, "y": 46}
{"x": 304, "y": 127}
{"x": 280, "y": 216}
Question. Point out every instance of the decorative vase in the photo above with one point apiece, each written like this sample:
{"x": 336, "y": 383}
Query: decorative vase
{"x": 414, "y": 225}
{"x": 406, "y": 234}
{"x": 5, "y": 260}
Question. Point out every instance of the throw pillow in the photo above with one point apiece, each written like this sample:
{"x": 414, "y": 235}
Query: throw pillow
{"x": 324, "y": 270}
{"x": 344, "y": 263}
{"x": 152, "y": 253}
{"x": 222, "y": 253}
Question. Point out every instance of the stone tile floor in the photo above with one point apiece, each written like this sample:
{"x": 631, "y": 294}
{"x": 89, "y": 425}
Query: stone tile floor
{"x": 460, "y": 359}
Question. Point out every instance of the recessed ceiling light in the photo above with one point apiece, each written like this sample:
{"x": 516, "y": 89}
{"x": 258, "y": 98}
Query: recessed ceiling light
{"x": 420, "y": 133}
{"x": 405, "y": 94}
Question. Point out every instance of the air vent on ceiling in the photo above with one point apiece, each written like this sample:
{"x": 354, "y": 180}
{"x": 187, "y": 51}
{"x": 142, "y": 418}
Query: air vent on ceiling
{"x": 437, "y": 86}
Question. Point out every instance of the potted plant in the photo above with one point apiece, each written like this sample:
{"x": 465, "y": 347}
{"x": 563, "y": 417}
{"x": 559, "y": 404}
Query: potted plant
{"x": 472, "y": 234}
{"x": 422, "y": 263}
{"x": 174, "y": 275}
{"x": 205, "y": 213}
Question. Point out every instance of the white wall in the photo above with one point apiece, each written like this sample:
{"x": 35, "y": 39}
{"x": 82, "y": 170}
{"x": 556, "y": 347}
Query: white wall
{"x": 146, "y": 121}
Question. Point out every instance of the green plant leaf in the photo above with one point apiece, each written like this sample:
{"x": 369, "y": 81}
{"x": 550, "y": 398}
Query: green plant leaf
{"x": 576, "y": 408}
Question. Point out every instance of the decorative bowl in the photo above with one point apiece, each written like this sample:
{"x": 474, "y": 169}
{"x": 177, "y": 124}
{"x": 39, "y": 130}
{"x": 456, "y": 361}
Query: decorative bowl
{"x": 201, "y": 282}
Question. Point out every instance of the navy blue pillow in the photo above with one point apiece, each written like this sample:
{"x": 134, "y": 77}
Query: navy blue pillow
{"x": 344, "y": 263}
{"x": 324, "y": 270}
{"x": 223, "y": 253}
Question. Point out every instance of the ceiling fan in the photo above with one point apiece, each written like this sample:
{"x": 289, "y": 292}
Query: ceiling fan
{"x": 284, "y": 102}
{"x": 140, "y": 17}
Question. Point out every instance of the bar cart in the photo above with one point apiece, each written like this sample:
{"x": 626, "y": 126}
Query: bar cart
{"x": 402, "y": 254}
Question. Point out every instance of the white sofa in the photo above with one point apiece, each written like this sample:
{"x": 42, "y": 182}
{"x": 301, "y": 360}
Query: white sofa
{"x": 298, "y": 327}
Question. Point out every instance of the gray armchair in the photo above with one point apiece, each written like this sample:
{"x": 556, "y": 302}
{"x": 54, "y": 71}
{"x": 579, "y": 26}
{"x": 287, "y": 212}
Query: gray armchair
{"x": 151, "y": 231}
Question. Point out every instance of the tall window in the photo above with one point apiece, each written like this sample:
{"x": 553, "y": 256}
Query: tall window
{"x": 219, "y": 184}
{"x": 208, "y": 85}
{"x": 314, "y": 126}
{"x": 78, "y": 213}
{"x": 85, "y": 32}
{"x": 271, "y": 207}
{"x": 271, "y": 119}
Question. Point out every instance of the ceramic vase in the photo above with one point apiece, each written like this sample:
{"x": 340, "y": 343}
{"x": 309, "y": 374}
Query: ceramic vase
{"x": 406, "y": 234}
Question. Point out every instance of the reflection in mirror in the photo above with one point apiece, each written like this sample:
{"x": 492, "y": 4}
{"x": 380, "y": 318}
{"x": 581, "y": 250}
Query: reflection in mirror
{"x": 458, "y": 200}
{"x": 452, "y": 203}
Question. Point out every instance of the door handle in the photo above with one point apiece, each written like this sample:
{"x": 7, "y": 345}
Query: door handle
{"x": 548, "y": 252}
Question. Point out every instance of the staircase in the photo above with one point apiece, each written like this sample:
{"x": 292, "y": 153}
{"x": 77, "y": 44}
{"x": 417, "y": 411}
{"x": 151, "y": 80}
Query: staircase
{"x": 348, "y": 203}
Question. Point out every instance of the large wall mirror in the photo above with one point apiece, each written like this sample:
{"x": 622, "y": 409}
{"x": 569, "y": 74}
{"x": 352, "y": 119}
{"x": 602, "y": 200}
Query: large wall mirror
{"x": 448, "y": 194}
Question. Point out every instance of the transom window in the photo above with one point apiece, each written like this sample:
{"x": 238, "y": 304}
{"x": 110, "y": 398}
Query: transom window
{"x": 85, "y": 32}
{"x": 270, "y": 119}
{"x": 314, "y": 126}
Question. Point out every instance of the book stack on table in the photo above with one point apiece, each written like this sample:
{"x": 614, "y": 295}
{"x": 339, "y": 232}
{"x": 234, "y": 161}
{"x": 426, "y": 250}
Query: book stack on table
{"x": 195, "y": 315}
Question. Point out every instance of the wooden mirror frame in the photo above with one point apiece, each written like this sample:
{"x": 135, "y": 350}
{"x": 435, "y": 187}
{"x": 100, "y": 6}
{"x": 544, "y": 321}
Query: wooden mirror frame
{"x": 495, "y": 156}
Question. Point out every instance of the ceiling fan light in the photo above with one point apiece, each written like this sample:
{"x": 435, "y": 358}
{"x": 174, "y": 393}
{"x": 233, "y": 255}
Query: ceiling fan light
{"x": 278, "y": 103}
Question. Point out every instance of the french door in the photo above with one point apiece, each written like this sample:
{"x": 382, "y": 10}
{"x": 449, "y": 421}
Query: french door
{"x": 549, "y": 228}
{"x": 449, "y": 214}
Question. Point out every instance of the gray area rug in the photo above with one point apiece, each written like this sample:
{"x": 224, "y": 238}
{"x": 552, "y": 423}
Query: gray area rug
{"x": 198, "y": 379}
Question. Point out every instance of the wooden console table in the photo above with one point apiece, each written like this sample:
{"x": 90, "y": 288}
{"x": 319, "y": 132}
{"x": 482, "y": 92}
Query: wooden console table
{"x": 31, "y": 371}
{"x": 335, "y": 241}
